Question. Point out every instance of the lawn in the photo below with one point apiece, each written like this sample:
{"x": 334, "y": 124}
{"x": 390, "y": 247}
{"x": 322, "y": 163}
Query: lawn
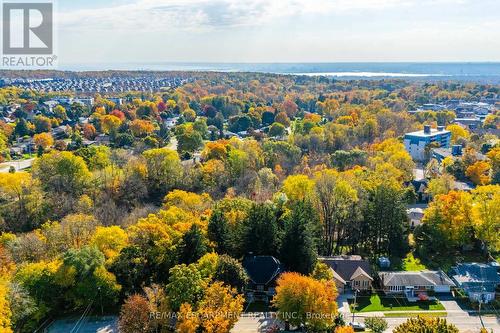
{"x": 257, "y": 306}
{"x": 416, "y": 314}
{"x": 383, "y": 303}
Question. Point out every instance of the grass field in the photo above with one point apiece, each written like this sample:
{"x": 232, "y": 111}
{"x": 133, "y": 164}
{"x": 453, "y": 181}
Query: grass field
{"x": 390, "y": 303}
{"x": 415, "y": 314}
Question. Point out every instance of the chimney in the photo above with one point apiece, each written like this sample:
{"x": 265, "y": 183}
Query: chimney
{"x": 427, "y": 129}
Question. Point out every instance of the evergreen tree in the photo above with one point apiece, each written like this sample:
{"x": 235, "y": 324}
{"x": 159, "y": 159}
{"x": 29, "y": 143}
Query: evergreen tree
{"x": 219, "y": 232}
{"x": 298, "y": 251}
{"x": 384, "y": 221}
{"x": 193, "y": 245}
{"x": 261, "y": 234}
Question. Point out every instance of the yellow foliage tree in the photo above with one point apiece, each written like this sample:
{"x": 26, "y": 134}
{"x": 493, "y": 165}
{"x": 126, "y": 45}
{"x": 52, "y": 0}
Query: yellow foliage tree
{"x": 5, "y": 312}
{"x": 485, "y": 215}
{"x": 110, "y": 123}
{"x": 302, "y": 300}
{"x": 298, "y": 187}
{"x": 44, "y": 140}
{"x": 220, "y": 308}
{"x": 479, "y": 173}
{"x": 457, "y": 132}
{"x": 109, "y": 240}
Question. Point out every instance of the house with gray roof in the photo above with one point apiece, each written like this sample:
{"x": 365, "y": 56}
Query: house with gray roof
{"x": 263, "y": 271}
{"x": 479, "y": 281}
{"x": 415, "y": 285}
{"x": 349, "y": 272}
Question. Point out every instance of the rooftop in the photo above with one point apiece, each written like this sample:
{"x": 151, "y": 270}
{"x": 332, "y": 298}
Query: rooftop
{"x": 433, "y": 132}
{"x": 420, "y": 278}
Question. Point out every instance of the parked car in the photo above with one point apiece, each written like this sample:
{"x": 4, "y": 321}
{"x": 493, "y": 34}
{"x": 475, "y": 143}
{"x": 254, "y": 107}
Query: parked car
{"x": 359, "y": 327}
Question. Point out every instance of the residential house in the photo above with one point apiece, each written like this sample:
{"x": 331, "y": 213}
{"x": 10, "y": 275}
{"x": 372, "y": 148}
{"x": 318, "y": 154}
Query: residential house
{"x": 349, "y": 272}
{"x": 420, "y": 187}
{"x": 415, "y": 285}
{"x": 479, "y": 281}
{"x": 415, "y": 216}
{"x": 263, "y": 271}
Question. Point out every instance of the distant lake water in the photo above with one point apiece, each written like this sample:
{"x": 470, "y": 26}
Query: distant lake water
{"x": 487, "y": 71}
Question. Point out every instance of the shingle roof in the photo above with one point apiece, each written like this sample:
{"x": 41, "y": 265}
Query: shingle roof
{"x": 345, "y": 267}
{"x": 475, "y": 273}
{"x": 422, "y": 278}
{"x": 262, "y": 269}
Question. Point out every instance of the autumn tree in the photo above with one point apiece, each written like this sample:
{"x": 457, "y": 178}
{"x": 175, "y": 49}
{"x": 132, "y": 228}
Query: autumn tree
{"x": 164, "y": 170}
{"x": 62, "y": 172}
{"x": 220, "y": 308}
{"x": 298, "y": 187}
{"x": 134, "y": 315}
{"x": 109, "y": 240}
{"x": 311, "y": 301}
{"x": 494, "y": 156}
{"x": 431, "y": 325}
{"x": 110, "y": 123}
{"x": 277, "y": 130}
{"x": 479, "y": 173}
{"x": 141, "y": 128}
{"x": 5, "y": 312}
{"x": 322, "y": 271}
{"x": 43, "y": 140}
{"x": 485, "y": 215}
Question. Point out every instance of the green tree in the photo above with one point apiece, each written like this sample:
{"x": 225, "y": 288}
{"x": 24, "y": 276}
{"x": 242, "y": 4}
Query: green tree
{"x": 298, "y": 250}
{"x": 231, "y": 272}
{"x": 385, "y": 219}
{"x": 185, "y": 285}
{"x": 164, "y": 170}
{"x": 261, "y": 233}
{"x": 193, "y": 245}
{"x": 219, "y": 231}
{"x": 62, "y": 172}
{"x": 277, "y": 130}
{"x": 376, "y": 324}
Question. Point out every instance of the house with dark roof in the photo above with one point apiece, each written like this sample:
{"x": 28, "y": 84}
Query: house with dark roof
{"x": 479, "y": 281}
{"x": 415, "y": 285}
{"x": 263, "y": 271}
{"x": 349, "y": 272}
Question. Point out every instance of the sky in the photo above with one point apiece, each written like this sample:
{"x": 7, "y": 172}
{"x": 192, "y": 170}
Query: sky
{"x": 145, "y": 31}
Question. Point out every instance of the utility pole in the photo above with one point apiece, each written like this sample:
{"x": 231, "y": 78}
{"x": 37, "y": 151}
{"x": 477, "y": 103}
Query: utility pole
{"x": 481, "y": 301}
{"x": 354, "y": 308}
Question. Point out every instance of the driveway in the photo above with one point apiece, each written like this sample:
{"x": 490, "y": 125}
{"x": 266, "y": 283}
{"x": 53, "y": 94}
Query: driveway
{"x": 255, "y": 322}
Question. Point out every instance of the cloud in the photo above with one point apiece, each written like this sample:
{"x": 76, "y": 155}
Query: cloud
{"x": 206, "y": 15}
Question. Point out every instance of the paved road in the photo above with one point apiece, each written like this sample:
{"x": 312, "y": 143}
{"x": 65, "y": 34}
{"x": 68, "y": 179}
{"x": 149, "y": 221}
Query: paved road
{"x": 18, "y": 165}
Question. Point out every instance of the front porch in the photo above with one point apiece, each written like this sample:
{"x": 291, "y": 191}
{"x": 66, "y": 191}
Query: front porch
{"x": 414, "y": 294}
